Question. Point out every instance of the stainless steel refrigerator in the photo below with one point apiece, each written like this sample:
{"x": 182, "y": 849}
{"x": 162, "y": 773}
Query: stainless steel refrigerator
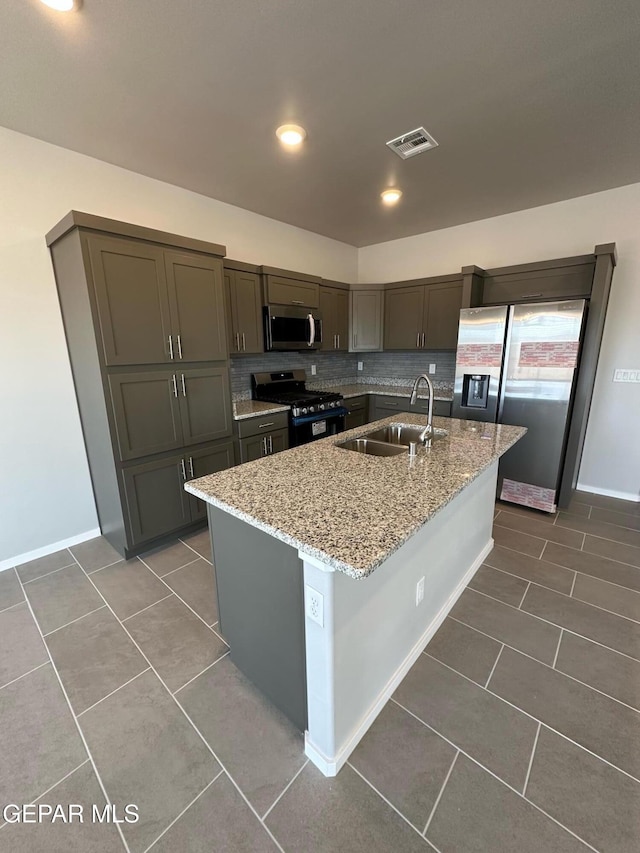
{"x": 517, "y": 364}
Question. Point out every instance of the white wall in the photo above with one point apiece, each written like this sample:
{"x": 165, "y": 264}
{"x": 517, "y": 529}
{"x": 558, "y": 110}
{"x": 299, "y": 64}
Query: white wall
{"x": 45, "y": 490}
{"x": 611, "y": 458}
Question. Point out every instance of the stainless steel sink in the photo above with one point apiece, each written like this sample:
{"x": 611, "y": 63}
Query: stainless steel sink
{"x": 402, "y": 434}
{"x": 373, "y": 448}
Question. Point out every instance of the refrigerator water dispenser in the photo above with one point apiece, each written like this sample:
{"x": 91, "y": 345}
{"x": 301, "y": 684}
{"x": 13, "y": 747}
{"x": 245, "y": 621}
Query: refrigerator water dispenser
{"x": 475, "y": 390}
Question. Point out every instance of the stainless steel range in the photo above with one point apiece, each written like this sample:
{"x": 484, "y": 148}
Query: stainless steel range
{"x": 313, "y": 414}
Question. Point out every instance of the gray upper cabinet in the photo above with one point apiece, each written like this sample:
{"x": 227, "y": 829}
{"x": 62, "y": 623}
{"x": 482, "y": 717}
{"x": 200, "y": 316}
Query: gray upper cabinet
{"x": 422, "y": 316}
{"x": 334, "y": 311}
{"x": 365, "y": 320}
{"x": 133, "y": 303}
{"x": 244, "y": 296}
{"x": 156, "y": 305}
{"x": 196, "y": 301}
{"x": 281, "y": 290}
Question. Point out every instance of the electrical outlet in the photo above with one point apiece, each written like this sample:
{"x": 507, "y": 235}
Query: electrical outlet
{"x": 314, "y": 605}
{"x": 419, "y": 591}
{"x": 432, "y": 368}
{"x": 360, "y": 365}
{"x": 313, "y": 370}
{"x": 622, "y": 374}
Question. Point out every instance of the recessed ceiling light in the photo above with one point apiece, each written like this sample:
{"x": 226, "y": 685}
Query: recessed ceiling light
{"x": 63, "y": 5}
{"x": 291, "y": 134}
{"x": 391, "y": 196}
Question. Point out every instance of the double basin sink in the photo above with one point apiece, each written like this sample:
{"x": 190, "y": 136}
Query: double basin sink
{"x": 391, "y": 440}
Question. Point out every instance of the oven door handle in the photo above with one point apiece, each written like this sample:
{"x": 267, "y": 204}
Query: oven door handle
{"x": 330, "y": 414}
{"x": 312, "y": 329}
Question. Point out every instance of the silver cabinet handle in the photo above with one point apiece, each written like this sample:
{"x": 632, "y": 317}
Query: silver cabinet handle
{"x": 184, "y": 469}
{"x": 418, "y": 340}
{"x": 264, "y": 445}
{"x": 338, "y": 341}
{"x": 238, "y": 341}
{"x": 244, "y": 345}
{"x": 355, "y": 339}
{"x": 270, "y": 444}
{"x": 423, "y": 336}
{"x": 532, "y": 295}
{"x": 184, "y": 390}
{"x": 297, "y": 302}
{"x": 175, "y": 385}
{"x": 312, "y": 329}
{"x": 191, "y": 467}
{"x": 335, "y": 342}
{"x": 179, "y": 342}
{"x": 263, "y": 426}
{"x": 171, "y": 347}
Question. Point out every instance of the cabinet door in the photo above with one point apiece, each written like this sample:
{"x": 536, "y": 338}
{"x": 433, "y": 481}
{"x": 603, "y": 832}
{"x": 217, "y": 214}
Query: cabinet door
{"x": 196, "y": 298}
{"x": 442, "y": 316}
{"x": 156, "y": 500}
{"x": 146, "y": 412}
{"x": 246, "y": 312}
{"x": 403, "y": 312}
{"x": 132, "y": 299}
{"x": 253, "y": 448}
{"x": 207, "y": 461}
{"x": 277, "y": 441}
{"x": 205, "y": 404}
{"x": 341, "y": 318}
{"x": 291, "y": 291}
{"x": 366, "y": 320}
{"x": 327, "y": 312}
{"x": 356, "y": 418}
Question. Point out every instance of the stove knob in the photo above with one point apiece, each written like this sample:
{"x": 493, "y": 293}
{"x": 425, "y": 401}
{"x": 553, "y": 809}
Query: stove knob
{"x": 321, "y": 407}
{"x": 304, "y": 410}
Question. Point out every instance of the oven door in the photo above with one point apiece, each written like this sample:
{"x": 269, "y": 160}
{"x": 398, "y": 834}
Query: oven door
{"x": 319, "y": 425}
{"x": 287, "y": 327}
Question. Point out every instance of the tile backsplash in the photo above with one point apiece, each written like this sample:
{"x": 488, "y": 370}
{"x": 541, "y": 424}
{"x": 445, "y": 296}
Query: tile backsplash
{"x": 399, "y": 368}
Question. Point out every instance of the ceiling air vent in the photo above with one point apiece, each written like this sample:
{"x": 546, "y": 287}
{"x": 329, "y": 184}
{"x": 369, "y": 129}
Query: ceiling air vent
{"x": 414, "y": 142}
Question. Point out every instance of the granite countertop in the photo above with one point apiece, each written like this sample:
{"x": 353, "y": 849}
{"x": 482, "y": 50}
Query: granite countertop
{"x": 388, "y": 390}
{"x": 348, "y": 509}
{"x": 253, "y": 408}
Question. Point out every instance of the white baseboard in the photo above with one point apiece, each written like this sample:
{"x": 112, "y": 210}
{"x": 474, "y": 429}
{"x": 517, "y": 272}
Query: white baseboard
{"x": 609, "y": 493}
{"x": 331, "y": 765}
{"x": 49, "y": 549}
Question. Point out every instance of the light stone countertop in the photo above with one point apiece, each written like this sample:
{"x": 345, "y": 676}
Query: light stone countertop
{"x": 253, "y": 408}
{"x": 348, "y": 509}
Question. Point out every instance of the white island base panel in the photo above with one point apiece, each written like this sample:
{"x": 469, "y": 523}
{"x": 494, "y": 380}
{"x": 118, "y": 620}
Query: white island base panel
{"x": 372, "y": 631}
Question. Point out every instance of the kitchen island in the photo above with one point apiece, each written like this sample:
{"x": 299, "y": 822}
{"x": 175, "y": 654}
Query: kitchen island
{"x": 321, "y": 555}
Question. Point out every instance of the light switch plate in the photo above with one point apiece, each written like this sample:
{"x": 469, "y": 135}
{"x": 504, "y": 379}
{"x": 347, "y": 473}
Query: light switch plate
{"x": 623, "y": 374}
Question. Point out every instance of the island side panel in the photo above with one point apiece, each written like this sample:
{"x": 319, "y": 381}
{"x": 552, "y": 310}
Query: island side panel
{"x": 374, "y": 631}
{"x": 260, "y": 601}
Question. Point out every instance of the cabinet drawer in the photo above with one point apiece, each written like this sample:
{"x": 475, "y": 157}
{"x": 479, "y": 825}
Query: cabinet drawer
{"x": 263, "y": 424}
{"x": 290, "y": 291}
{"x": 355, "y": 403}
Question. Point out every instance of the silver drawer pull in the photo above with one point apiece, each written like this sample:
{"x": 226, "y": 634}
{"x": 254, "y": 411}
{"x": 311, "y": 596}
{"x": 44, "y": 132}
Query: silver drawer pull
{"x": 263, "y": 426}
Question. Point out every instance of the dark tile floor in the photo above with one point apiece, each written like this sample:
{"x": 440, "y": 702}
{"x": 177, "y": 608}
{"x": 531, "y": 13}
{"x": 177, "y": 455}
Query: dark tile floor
{"x": 518, "y": 729}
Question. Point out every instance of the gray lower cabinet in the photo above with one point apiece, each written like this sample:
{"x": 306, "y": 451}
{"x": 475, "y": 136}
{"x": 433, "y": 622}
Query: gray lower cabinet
{"x": 383, "y": 406}
{"x": 162, "y": 410}
{"x": 258, "y": 446}
{"x": 358, "y": 411}
{"x": 144, "y": 317}
{"x": 156, "y": 501}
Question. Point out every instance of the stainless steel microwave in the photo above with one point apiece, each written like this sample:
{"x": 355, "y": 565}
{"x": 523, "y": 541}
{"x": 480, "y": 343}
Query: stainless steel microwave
{"x": 289, "y": 327}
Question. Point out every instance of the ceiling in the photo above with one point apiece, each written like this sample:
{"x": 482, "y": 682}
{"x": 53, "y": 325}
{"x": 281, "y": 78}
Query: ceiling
{"x": 531, "y": 102}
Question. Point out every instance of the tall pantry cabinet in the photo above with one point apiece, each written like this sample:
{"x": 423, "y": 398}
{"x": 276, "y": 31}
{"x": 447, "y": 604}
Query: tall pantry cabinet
{"x": 144, "y": 319}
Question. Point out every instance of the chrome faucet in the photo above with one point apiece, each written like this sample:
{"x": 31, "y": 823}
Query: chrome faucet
{"x": 427, "y": 432}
